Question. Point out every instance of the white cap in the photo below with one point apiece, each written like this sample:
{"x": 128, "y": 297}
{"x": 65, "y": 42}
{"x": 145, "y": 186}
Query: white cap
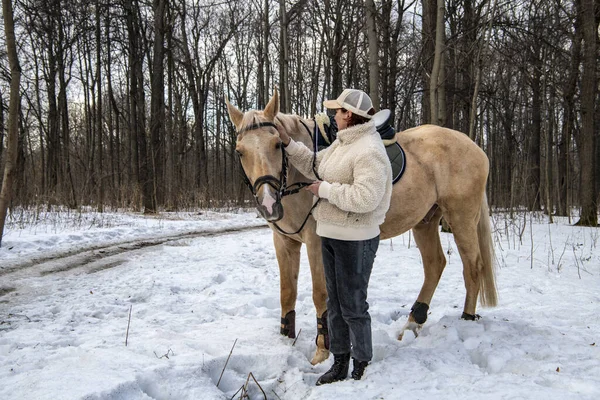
{"x": 353, "y": 100}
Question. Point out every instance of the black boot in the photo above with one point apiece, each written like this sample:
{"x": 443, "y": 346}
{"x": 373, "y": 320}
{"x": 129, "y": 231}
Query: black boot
{"x": 338, "y": 371}
{"x": 359, "y": 369}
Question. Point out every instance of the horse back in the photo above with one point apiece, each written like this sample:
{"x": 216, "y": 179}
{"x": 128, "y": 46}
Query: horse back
{"x": 442, "y": 166}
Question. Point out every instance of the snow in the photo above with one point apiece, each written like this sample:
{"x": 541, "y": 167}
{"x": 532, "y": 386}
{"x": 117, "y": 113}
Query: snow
{"x": 63, "y": 321}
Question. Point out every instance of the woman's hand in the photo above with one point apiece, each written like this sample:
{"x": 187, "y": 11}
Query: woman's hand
{"x": 314, "y": 188}
{"x": 285, "y": 138}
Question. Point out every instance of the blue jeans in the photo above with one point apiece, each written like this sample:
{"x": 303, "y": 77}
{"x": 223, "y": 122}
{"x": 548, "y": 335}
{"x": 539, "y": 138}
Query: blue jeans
{"x": 348, "y": 266}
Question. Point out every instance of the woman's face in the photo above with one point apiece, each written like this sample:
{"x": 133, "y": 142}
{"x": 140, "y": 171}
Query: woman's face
{"x": 342, "y": 118}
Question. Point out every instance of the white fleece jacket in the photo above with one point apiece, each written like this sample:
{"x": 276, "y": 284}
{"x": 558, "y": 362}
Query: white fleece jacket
{"x": 357, "y": 182}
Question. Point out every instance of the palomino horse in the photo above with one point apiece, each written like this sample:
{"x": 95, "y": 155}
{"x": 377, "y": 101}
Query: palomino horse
{"x": 446, "y": 174}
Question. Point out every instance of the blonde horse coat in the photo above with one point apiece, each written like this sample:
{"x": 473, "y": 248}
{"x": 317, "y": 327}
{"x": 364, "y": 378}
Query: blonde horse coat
{"x": 444, "y": 168}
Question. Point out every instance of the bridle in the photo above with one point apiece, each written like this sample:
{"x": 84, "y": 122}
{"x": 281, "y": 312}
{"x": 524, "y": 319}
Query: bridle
{"x": 278, "y": 184}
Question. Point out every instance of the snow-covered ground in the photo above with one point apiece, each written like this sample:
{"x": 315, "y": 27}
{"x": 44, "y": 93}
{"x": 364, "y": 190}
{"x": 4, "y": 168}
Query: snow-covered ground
{"x": 63, "y": 324}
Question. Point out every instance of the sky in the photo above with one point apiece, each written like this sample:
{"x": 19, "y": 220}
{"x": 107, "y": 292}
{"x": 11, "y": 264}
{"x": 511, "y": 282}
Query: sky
{"x": 196, "y": 296}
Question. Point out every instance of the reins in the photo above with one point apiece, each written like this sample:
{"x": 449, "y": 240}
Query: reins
{"x": 280, "y": 185}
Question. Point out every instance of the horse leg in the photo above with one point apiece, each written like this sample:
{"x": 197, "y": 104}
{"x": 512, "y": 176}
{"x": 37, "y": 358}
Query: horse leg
{"x": 315, "y": 258}
{"x": 427, "y": 238}
{"x": 464, "y": 229}
{"x": 288, "y": 257}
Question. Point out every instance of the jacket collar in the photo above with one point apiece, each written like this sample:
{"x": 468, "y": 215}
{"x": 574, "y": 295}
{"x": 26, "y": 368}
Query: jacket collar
{"x": 353, "y": 133}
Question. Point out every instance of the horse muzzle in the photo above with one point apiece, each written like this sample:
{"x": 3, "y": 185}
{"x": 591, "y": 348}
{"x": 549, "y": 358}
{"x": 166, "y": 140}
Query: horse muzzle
{"x": 272, "y": 215}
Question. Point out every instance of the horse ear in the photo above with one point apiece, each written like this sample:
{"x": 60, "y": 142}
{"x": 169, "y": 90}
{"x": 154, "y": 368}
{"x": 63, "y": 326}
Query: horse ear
{"x": 272, "y": 109}
{"x": 235, "y": 115}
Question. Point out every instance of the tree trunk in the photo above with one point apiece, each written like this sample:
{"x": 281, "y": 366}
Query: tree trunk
{"x": 284, "y": 81}
{"x": 548, "y": 165}
{"x": 13, "y": 114}
{"x": 113, "y": 122}
{"x": 373, "y": 52}
{"x": 337, "y": 48}
{"x": 98, "y": 119}
{"x": 195, "y": 87}
{"x": 589, "y": 84}
{"x": 569, "y": 91}
{"x": 65, "y": 129}
{"x": 262, "y": 79}
{"x": 428, "y": 54}
{"x": 157, "y": 106}
{"x": 137, "y": 107}
{"x": 434, "y": 82}
{"x": 1, "y": 129}
{"x": 535, "y": 137}
{"x": 170, "y": 197}
{"x": 53, "y": 140}
{"x": 478, "y": 66}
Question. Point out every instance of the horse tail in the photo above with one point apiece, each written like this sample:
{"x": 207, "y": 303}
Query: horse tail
{"x": 487, "y": 284}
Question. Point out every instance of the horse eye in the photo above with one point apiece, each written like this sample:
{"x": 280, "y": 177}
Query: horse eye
{"x": 278, "y": 145}
{"x": 239, "y": 153}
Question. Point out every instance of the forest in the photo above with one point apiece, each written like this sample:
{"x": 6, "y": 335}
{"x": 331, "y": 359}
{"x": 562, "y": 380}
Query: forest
{"x": 121, "y": 103}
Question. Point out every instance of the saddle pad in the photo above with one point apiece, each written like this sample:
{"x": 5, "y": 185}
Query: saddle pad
{"x": 397, "y": 159}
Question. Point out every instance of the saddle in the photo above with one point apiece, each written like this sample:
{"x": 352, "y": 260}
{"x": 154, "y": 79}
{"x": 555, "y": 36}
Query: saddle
{"x": 327, "y": 132}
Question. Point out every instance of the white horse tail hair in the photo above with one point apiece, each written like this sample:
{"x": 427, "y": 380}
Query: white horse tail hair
{"x": 488, "y": 294}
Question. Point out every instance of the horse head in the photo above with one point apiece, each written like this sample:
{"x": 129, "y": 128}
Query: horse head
{"x": 261, "y": 156}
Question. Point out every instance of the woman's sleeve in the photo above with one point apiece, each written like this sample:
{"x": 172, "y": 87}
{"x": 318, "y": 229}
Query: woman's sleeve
{"x": 302, "y": 158}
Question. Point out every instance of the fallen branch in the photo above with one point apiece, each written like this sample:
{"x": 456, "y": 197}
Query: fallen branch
{"x": 224, "y": 366}
{"x": 19, "y": 315}
{"x": 297, "y": 336}
{"x": 128, "y": 323}
{"x": 242, "y": 389}
{"x": 576, "y": 262}
{"x": 257, "y": 384}
{"x": 166, "y": 355}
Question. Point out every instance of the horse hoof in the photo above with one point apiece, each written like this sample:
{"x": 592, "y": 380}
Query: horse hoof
{"x": 320, "y": 356}
{"x": 470, "y": 317}
{"x": 410, "y": 326}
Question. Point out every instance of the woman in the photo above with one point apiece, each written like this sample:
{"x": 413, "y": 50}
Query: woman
{"x": 355, "y": 187}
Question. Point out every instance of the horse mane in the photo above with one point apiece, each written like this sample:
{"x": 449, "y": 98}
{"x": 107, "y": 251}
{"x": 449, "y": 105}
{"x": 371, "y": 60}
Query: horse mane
{"x": 289, "y": 122}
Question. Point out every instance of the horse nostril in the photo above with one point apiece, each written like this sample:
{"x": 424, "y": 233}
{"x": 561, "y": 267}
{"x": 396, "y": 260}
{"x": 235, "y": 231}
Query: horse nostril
{"x": 268, "y": 201}
{"x": 273, "y": 215}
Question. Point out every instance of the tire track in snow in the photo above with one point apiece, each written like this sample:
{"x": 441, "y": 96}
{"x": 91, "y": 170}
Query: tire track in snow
{"x": 80, "y": 257}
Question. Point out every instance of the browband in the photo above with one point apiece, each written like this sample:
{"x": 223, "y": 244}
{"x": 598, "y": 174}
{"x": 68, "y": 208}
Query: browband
{"x": 256, "y": 126}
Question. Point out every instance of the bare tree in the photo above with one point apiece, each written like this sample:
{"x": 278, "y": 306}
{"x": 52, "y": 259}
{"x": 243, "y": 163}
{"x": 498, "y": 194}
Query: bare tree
{"x": 284, "y": 59}
{"x": 568, "y": 122}
{"x": 588, "y": 193}
{"x": 372, "y": 17}
{"x": 137, "y": 119}
{"x": 98, "y": 115}
{"x": 95, "y": 114}
{"x": 157, "y": 106}
{"x": 435, "y": 97}
{"x": 489, "y": 15}
{"x": 13, "y": 113}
